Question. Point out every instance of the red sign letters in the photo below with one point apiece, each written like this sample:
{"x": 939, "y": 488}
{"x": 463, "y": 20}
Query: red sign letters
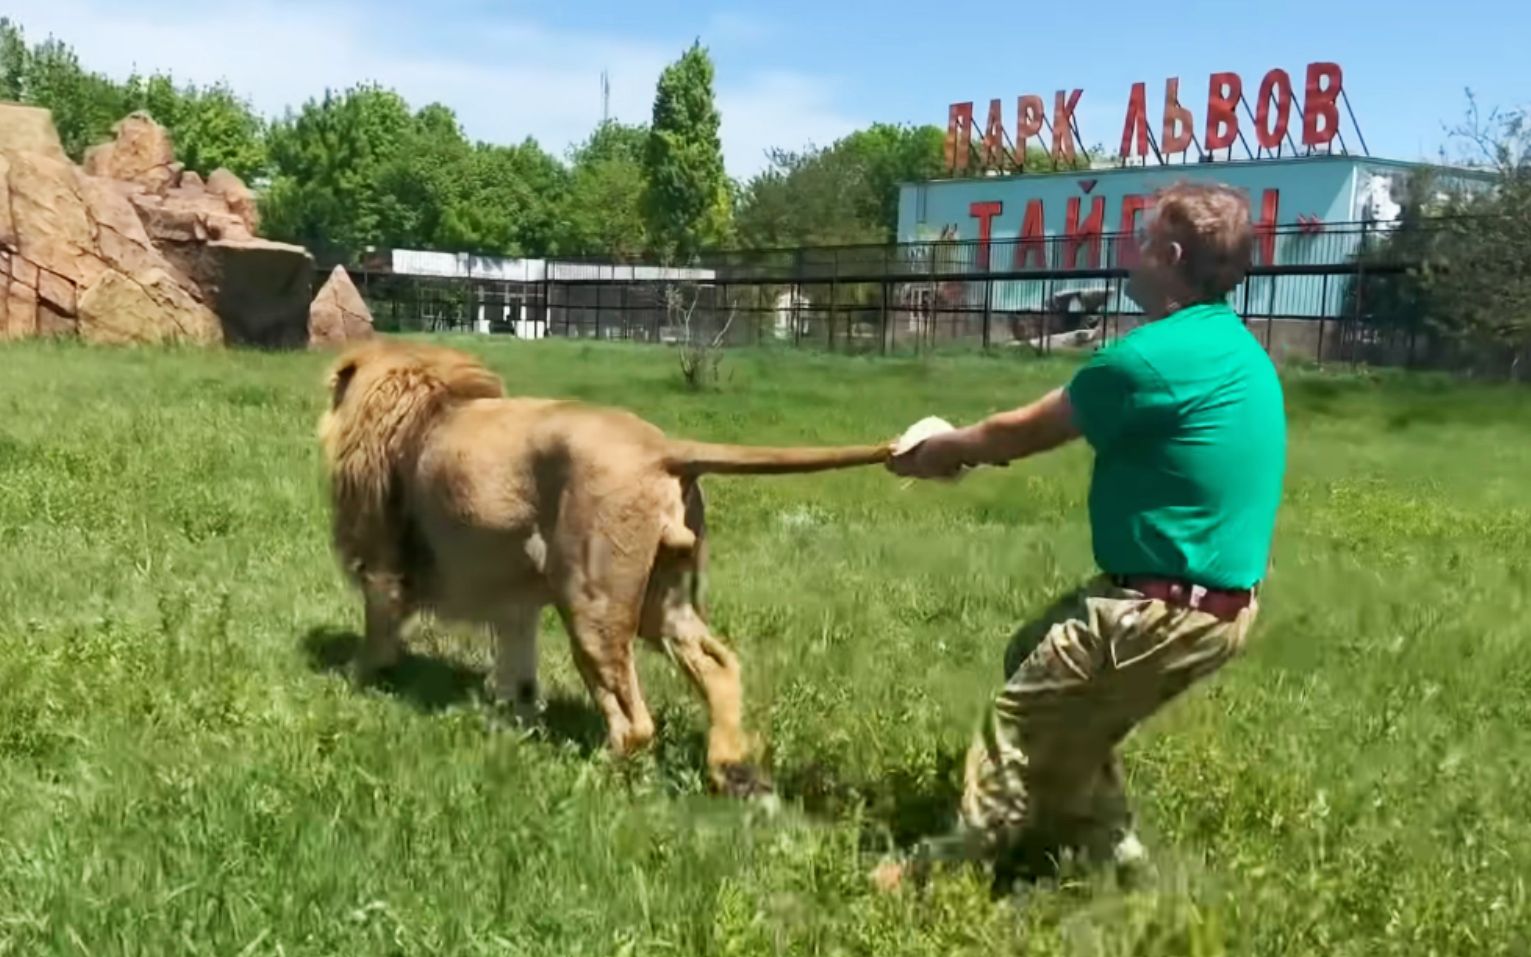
{"x": 1177, "y": 131}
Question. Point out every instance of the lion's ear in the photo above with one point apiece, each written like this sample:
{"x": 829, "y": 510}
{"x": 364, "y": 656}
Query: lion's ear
{"x": 340, "y": 381}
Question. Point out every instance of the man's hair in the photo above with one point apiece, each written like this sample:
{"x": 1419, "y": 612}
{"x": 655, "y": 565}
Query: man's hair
{"x": 1211, "y": 224}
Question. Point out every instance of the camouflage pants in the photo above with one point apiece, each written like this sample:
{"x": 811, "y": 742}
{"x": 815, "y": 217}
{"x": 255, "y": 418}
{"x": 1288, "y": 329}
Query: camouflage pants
{"x": 1043, "y": 773}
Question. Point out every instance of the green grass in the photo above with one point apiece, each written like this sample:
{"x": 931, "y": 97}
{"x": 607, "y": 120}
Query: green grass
{"x": 182, "y": 772}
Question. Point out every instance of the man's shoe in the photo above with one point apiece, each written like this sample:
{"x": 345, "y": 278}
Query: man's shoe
{"x": 1129, "y": 855}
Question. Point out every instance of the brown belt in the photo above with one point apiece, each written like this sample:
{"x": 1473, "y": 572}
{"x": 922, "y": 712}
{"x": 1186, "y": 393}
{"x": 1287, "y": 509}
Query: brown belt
{"x": 1221, "y": 603}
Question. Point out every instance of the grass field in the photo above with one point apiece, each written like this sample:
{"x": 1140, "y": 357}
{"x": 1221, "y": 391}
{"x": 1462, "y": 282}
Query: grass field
{"x": 184, "y": 771}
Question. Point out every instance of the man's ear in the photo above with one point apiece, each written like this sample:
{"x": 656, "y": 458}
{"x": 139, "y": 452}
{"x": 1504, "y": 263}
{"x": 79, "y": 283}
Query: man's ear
{"x": 1177, "y": 253}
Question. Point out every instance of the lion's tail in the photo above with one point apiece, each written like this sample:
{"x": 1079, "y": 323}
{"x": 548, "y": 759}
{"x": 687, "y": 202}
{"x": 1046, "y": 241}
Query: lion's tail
{"x": 690, "y": 459}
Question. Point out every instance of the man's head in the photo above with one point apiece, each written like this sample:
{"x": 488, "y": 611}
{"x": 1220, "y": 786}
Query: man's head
{"x": 1195, "y": 248}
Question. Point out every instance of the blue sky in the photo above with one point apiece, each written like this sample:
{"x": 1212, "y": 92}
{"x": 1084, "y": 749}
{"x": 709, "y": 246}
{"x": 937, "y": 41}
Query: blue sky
{"x": 796, "y": 72}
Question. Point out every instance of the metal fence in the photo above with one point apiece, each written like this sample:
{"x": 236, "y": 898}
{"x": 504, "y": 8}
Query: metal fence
{"x": 1315, "y": 294}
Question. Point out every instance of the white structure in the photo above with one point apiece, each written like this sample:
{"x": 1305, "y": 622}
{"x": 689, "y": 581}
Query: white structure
{"x": 791, "y": 309}
{"x": 1375, "y": 199}
{"x": 417, "y": 262}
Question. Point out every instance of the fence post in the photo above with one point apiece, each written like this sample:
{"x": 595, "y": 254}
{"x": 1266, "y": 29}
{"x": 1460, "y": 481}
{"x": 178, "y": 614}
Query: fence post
{"x": 1323, "y": 319}
{"x": 728, "y": 312}
{"x": 926, "y": 336}
{"x": 988, "y": 309}
{"x": 1047, "y": 314}
{"x": 1360, "y": 280}
{"x": 834, "y": 291}
{"x": 882, "y": 333}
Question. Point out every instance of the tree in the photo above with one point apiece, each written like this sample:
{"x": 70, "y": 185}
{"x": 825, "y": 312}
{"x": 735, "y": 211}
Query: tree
{"x": 602, "y": 213}
{"x": 844, "y": 193}
{"x": 329, "y": 161}
{"x": 686, "y": 193}
{"x": 84, "y": 104}
{"x": 211, "y": 126}
{"x": 506, "y": 201}
{"x": 359, "y": 169}
{"x": 1478, "y": 276}
{"x": 14, "y": 61}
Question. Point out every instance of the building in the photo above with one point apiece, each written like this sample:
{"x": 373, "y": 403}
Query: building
{"x": 529, "y": 298}
{"x": 1052, "y": 234}
{"x": 1315, "y": 191}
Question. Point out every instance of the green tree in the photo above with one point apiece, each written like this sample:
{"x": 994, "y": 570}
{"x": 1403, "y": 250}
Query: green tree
{"x": 337, "y": 186}
{"x": 358, "y": 169}
{"x": 211, "y": 126}
{"x": 602, "y": 213}
{"x": 506, "y": 201}
{"x": 687, "y": 203}
{"x": 14, "y": 61}
{"x": 844, "y": 193}
{"x": 1477, "y": 280}
{"x": 84, "y": 104}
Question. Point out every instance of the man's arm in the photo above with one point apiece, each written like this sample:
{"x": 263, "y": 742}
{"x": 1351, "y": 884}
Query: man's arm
{"x": 1001, "y": 438}
{"x": 1005, "y": 436}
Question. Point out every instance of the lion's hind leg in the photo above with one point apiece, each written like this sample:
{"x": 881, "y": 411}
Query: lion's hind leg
{"x": 672, "y": 619}
{"x": 600, "y": 597}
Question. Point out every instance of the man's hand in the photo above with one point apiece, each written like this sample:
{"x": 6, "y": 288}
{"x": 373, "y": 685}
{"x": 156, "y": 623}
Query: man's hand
{"x": 941, "y": 456}
{"x": 997, "y": 440}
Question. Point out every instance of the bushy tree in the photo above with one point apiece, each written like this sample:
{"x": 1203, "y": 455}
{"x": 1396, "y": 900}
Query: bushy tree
{"x": 602, "y": 213}
{"x": 687, "y": 202}
{"x": 1479, "y": 278}
{"x": 844, "y": 193}
{"x": 84, "y": 104}
{"x": 211, "y": 126}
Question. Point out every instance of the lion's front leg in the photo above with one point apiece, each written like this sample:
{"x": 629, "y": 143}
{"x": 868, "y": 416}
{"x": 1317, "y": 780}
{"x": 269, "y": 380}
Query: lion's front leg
{"x": 386, "y": 610}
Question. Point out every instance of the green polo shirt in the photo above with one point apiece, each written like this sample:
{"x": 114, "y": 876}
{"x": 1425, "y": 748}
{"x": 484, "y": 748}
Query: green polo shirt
{"x": 1188, "y": 423}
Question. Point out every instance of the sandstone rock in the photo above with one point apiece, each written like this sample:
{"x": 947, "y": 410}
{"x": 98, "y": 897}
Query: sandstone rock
{"x": 185, "y": 215}
{"x": 241, "y": 202}
{"x": 134, "y": 249}
{"x": 20, "y": 312}
{"x": 7, "y": 223}
{"x": 52, "y": 324}
{"x": 73, "y": 229}
{"x": 339, "y": 314}
{"x": 56, "y": 292}
{"x": 141, "y": 153}
{"x": 24, "y": 273}
{"x": 29, "y": 129}
{"x": 149, "y": 308}
{"x": 49, "y": 217}
{"x": 260, "y": 290}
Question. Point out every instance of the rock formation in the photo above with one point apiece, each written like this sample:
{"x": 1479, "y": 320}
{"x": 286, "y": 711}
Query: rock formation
{"x": 339, "y": 314}
{"x": 133, "y": 249}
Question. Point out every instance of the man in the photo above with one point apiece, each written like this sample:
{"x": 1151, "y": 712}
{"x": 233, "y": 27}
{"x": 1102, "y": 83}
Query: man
{"x": 1185, "y": 415}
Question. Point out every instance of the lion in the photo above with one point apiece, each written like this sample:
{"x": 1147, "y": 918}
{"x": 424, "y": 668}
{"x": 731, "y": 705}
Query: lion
{"x": 450, "y": 497}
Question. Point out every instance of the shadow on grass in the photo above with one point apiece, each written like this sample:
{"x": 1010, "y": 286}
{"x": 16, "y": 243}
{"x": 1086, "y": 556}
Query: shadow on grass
{"x": 432, "y": 683}
{"x": 905, "y": 807}
{"x": 902, "y": 806}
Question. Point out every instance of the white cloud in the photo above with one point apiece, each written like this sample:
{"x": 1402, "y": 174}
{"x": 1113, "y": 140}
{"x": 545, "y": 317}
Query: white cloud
{"x": 506, "y": 78}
